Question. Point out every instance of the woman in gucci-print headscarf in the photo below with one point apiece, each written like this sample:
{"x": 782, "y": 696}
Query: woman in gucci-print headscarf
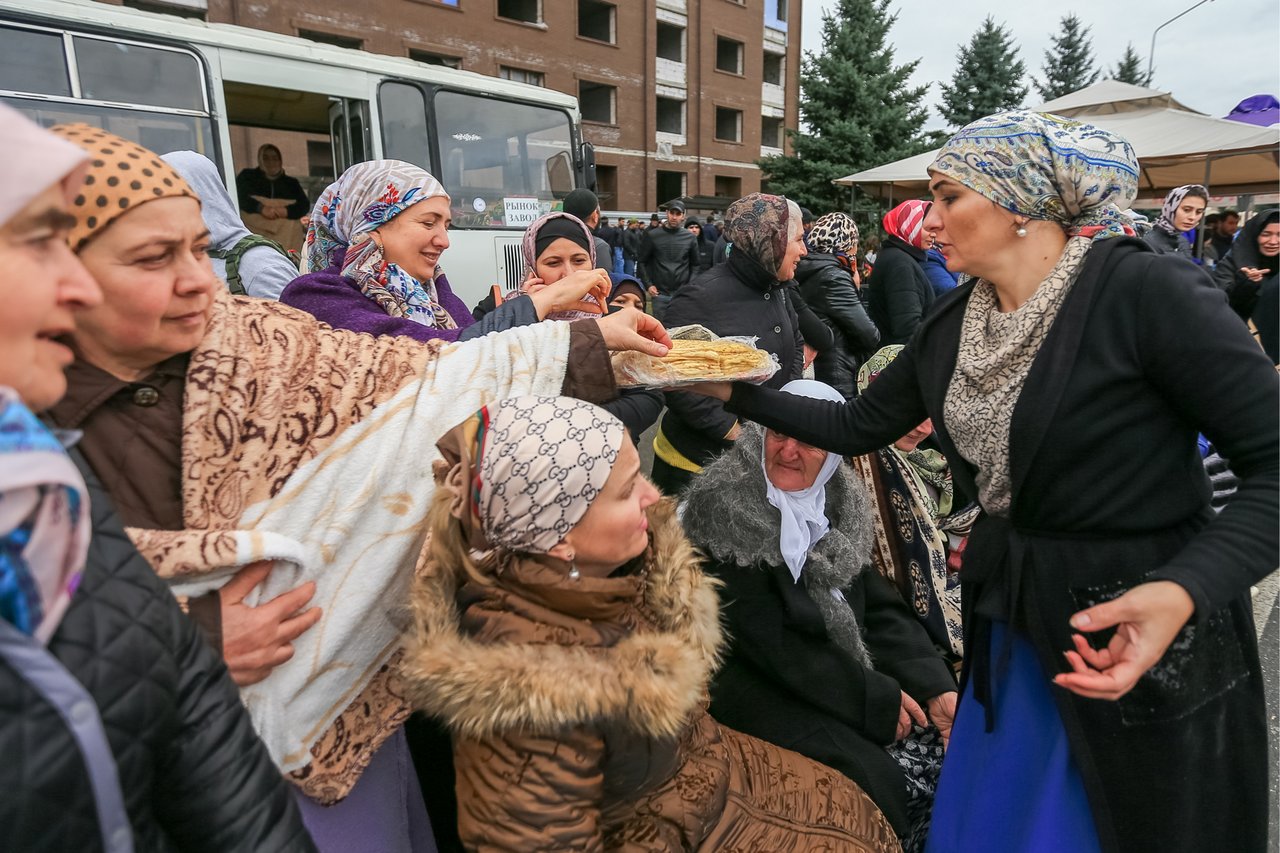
{"x": 566, "y": 636}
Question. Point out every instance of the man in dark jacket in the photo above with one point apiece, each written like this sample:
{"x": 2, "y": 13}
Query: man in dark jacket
{"x": 583, "y": 204}
{"x": 632, "y": 238}
{"x": 670, "y": 255}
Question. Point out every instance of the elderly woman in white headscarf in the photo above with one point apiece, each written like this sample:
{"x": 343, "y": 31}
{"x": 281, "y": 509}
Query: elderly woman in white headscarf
{"x": 824, "y": 658}
{"x": 249, "y": 263}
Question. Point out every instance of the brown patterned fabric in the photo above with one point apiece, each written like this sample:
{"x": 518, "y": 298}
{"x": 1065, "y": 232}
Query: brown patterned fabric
{"x": 122, "y": 175}
{"x": 267, "y": 390}
{"x": 579, "y": 715}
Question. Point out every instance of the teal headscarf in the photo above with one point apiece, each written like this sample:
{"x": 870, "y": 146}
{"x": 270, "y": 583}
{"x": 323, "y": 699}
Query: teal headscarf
{"x": 1047, "y": 167}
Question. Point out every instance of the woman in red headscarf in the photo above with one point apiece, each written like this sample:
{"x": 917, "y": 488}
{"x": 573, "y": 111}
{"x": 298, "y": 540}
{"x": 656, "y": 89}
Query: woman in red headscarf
{"x": 898, "y": 292}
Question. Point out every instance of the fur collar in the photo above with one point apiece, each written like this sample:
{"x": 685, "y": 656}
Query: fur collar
{"x": 649, "y": 682}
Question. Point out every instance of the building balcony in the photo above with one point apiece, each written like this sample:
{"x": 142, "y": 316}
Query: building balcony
{"x": 773, "y": 95}
{"x": 667, "y": 141}
{"x": 674, "y": 5}
{"x": 671, "y": 73}
{"x": 770, "y": 151}
{"x": 771, "y": 36}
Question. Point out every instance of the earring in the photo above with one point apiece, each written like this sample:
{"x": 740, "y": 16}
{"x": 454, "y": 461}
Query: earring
{"x": 574, "y": 574}
{"x": 1021, "y": 230}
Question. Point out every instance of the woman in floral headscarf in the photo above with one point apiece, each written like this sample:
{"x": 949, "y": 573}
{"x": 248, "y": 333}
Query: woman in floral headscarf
{"x": 898, "y": 292}
{"x": 1183, "y": 209}
{"x": 371, "y": 262}
{"x": 747, "y": 295}
{"x": 1107, "y": 620}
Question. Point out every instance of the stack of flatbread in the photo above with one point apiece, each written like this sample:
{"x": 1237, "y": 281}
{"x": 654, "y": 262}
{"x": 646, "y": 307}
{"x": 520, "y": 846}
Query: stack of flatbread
{"x": 695, "y": 356}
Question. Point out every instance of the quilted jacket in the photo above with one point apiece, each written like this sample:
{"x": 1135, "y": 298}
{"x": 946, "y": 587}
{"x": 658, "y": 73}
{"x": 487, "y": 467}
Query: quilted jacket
{"x": 193, "y": 774}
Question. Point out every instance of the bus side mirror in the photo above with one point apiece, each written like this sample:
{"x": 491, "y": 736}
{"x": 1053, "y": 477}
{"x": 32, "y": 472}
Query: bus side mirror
{"x": 589, "y": 166}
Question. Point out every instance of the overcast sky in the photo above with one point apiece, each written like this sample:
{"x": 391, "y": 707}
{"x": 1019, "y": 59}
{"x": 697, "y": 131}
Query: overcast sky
{"x": 1211, "y": 59}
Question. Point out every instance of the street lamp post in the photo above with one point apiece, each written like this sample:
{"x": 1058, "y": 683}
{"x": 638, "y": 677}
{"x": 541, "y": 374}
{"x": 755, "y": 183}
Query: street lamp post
{"x": 1151, "y": 54}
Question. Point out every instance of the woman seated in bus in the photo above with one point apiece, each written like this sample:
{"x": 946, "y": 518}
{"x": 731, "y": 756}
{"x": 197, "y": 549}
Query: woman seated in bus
{"x": 249, "y": 446}
{"x": 567, "y": 635}
{"x": 249, "y": 263}
{"x": 371, "y": 261}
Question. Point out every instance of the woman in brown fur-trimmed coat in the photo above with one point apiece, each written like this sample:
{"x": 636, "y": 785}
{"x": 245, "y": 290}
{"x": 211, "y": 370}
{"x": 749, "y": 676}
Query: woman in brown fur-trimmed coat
{"x": 566, "y": 636}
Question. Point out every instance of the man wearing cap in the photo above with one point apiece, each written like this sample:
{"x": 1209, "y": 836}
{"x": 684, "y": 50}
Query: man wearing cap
{"x": 583, "y": 204}
{"x": 669, "y": 255}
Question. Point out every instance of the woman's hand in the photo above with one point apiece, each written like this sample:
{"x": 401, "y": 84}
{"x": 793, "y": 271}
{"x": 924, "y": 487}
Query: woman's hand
{"x": 567, "y": 293}
{"x": 1147, "y": 618}
{"x": 1252, "y": 273}
{"x": 634, "y": 330}
{"x": 942, "y": 711}
{"x": 908, "y": 712}
{"x": 255, "y": 640}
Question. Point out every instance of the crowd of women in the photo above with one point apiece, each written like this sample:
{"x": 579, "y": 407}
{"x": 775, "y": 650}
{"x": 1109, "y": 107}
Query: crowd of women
{"x": 358, "y": 570}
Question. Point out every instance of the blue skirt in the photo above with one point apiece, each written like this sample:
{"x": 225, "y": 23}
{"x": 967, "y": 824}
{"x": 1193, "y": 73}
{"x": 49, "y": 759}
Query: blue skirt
{"x": 1017, "y": 788}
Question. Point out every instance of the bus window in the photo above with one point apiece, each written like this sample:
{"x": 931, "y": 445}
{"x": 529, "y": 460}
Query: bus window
{"x": 404, "y": 124}
{"x": 157, "y": 131}
{"x": 135, "y": 74}
{"x": 33, "y": 61}
{"x": 491, "y": 150}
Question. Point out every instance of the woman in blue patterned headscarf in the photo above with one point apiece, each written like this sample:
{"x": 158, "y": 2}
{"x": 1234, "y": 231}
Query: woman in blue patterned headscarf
{"x": 1107, "y": 622}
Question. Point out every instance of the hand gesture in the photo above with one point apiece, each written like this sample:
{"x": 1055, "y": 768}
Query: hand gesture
{"x": 567, "y": 293}
{"x": 634, "y": 330}
{"x": 1147, "y": 618}
{"x": 942, "y": 712}
{"x": 909, "y": 712}
{"x": 255, "y": 640}
{"x": 1252, "y": 273}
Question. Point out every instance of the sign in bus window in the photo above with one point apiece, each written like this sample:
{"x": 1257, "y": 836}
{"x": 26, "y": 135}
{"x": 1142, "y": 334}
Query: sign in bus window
{"x": 135, "y": 74}
{"x": 493, "y": 150}
{"x": 33, "y": 62}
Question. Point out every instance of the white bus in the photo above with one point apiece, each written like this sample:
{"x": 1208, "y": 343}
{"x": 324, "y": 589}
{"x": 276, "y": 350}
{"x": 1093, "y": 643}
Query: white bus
{"x": 504, "y": 151}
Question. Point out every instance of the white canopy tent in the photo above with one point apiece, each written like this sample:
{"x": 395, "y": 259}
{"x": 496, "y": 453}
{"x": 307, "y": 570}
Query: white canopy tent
{"x": 1175, "y": 145}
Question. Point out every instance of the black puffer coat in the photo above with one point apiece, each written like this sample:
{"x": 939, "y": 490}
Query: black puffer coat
{"x": 828, "y": 289}
{"x": 192, "y": 771}
{"x": 898, "y": 292}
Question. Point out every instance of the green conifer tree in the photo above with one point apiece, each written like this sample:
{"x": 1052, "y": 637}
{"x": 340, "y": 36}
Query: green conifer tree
{"x": 856, "y": 106}
{"x": 988, "y": 79}
{"x": 1069, "y": 66}
{"x": 1130, "y": 68}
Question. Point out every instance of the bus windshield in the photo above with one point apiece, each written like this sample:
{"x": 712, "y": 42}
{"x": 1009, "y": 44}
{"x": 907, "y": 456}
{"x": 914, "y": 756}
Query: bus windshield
{"x": 504, "y": 163}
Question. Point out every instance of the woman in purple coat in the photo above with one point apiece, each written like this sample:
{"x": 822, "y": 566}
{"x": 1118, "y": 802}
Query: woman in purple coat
{"x": 371, "y": 261}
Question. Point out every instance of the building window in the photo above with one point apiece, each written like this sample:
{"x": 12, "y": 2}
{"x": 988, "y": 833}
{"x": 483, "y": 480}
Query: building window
{"x": 727, "y": 187}
{"x": 728, "y": 55}
{"x": 771, "y": 132}
{"x": 596, "y": 20}
{"x": 429, "y": 58}
{"x": 329, "y": 38}
{"x": 522, "y": 75}
{"x": 670, "y": 42}
{"x": 728, "y": 124}
{"x": 597, "y": 102}
{"x": 780, "y": 10}
{"x": 606, "y": 185}
{"x": 670, "y": 116}
{"x": 526, "y": 11}
{"x": 773, "y": 68}
{"x": 669, "y": 185}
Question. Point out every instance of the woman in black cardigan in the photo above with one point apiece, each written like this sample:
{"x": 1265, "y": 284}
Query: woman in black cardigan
{"x": 1066, "y": 385}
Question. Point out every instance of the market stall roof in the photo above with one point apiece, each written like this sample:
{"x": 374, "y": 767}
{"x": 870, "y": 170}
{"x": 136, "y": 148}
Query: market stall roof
{"x": 1175, "y": 145}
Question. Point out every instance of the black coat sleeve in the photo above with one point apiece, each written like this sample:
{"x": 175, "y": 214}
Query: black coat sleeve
{"x": 637, "y": 408}
{"x": 777, "y": 630}
{"x": 221, "y": 789}
{"x": 898, "y": 642}
{"x": 846, "y": 310}
{"x": 510, "y": 314}
{"x": 813, "y": 331}
{"x": 905, "y": 300}
{"x": 890, "y": 408}
{"x": 1210, "y": 370}
{"x": 705, "y": 414}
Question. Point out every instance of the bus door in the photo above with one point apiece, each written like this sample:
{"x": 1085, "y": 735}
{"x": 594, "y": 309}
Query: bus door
{"x": 348, "y": 132}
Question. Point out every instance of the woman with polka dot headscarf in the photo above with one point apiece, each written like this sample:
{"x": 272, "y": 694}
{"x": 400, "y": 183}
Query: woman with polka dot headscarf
{"x": 198, "y": 409}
